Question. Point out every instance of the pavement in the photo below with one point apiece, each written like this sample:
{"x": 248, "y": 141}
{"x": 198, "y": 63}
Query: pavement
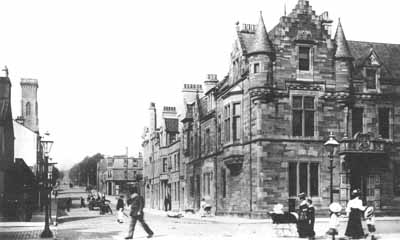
{"x": 80, "y": 223}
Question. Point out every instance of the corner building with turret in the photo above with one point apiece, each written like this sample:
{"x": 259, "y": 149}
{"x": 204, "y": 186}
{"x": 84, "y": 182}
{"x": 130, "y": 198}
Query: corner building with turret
{"x": 256, "y": 137}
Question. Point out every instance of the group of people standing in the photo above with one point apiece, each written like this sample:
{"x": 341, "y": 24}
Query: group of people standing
{"x": 306, "y": 217}
{"x": 355, "y": 211}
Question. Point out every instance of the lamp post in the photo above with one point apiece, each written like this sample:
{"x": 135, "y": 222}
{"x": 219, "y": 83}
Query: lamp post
{"x": 46, "y": 145}
{"x": 330, "y": 145}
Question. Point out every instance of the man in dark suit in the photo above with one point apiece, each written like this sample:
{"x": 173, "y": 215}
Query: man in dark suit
{"x": 137, "y": 204}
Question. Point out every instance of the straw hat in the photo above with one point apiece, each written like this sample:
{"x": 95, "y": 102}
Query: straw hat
{"x": 335, "y": 207}
{"x": 369, "y": 211}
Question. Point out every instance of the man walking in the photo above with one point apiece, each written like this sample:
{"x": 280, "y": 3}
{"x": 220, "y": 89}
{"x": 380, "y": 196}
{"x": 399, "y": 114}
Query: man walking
{"x": 137, "y": 204}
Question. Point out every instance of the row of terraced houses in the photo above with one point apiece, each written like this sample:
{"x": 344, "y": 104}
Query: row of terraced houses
{"x": 256, "y": 137}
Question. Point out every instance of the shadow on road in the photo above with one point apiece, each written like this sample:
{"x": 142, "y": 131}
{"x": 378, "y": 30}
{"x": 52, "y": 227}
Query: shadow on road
{"x": 70, "y": 219}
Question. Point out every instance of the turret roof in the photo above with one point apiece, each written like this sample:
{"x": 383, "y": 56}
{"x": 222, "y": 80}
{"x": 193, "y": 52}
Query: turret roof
{"x": 262, "y": 43}
{"x": 342, "y": 47}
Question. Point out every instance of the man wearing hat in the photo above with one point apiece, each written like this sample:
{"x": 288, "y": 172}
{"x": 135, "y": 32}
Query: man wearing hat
{"x": 137, "y": 204}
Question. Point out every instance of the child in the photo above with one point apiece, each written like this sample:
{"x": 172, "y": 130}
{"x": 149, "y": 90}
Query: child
{"x": 370, "y": 219}
{"x": 335, "y": 209}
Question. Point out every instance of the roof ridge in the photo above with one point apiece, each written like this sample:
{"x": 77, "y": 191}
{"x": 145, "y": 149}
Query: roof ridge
{"x": 373, "y": 42}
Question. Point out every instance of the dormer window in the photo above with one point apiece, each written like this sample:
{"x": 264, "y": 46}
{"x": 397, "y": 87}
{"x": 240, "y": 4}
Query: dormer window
{"x": 304, "y": 58}
{"x": 370, "y": 74}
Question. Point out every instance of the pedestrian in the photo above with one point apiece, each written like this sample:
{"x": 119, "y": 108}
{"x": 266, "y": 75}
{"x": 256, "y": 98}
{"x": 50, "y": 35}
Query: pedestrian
{"x": 303, "y": 221}
{"x": 82, "y": 202}
{"x": 136, "y": 213}
{"x": 202, "y": 207}
{"x": 120, "y": 209}
{"x": 354, "y": 211}
{"x": 311, "y": 217}
{"x": 369, "y": 215}
{"x": 166, "y": 202}
{"x": 334, "y": 209}
{"x": 68, "y": 203}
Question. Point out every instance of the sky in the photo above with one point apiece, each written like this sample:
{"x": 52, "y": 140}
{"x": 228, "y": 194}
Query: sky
{"x": 100, "y": 63}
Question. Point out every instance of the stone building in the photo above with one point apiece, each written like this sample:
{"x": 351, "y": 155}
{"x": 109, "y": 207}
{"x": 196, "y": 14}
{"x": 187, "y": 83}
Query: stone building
{"x": 163, "y": 168}
{"x": 7, "y": 170}
{"x": 120, "y": 175}
{"x": 256, "y": 137}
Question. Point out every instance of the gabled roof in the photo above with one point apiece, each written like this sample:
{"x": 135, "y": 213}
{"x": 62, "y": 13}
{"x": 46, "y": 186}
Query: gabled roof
{"x": 388, "y": 54}
{"x": 171, "y": 125}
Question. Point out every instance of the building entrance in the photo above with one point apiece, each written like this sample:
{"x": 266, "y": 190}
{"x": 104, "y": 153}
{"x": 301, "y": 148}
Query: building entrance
{"x": 364, "y": 174}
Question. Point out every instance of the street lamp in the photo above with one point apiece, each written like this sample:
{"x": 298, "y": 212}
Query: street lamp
{"x": 330, "y": 145}
{"x": 46, "y": 145}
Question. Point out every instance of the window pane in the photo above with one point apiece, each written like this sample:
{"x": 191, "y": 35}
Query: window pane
{"x": 309, "y": 123}
{"x": 304, "y": 58}
{"x": 297, "y": 102}
{"x": 256, "y": 67}
{"x": 371, "y": 78}
{"x": 357, "y": 121}
{"x": 236, "y": 128}
{"x": 236, "y": 109}
{"x": 297, "y": 123}
{"x": 309, "y": 102}
{"x": 384, "y": 122}
{"x": 292, "y": 179}
{"x": 314, "y": 179}
{"x": 303, "y": 176}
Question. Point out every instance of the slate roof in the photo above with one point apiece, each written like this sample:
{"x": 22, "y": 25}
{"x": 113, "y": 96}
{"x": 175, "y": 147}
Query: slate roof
{"x": 261, "y": 42}
{"x": 246, "y": 40}
{"x": 171, "y": 125}
{"x": 342, "y": 48}
{"x": 388, "y": 54}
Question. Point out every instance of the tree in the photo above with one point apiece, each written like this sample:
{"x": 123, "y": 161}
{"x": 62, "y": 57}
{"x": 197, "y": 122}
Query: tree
{"x": 85, "y": 172}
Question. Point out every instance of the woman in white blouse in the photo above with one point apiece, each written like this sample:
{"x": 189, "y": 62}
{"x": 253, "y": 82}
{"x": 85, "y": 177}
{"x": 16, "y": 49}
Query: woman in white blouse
{"x": 355, "y": 211}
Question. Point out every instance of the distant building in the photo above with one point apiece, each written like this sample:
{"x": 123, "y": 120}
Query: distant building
{"x": 7, "y": 193}
{"x": 120, "y": 174}
{"x": 26, "y": 144}
{"x": 163, "y": 168}
{"x": 29, "y": 103}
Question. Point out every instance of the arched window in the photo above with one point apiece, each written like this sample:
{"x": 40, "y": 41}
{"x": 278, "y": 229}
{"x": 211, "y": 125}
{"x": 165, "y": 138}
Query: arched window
{"x": 28, "y": 109}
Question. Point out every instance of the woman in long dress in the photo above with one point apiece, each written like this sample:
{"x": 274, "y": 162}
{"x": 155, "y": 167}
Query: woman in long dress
{"x": 355, "y": 211}
{"x": 303, "y": 225}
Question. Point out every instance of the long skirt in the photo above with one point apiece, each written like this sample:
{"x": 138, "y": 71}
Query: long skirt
{"x": 354, "y": 228}
{"x": 120, "y": 215}
{"x": 303, "y": 228}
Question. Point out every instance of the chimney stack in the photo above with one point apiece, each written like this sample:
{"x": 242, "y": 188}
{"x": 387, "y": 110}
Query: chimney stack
{"x": 210, "y": 82}
{"x": 153, "y": 117}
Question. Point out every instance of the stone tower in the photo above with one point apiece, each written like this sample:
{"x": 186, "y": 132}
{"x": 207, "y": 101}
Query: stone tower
{"x": 261, "y": 56}
{"x": 29, "y": 104}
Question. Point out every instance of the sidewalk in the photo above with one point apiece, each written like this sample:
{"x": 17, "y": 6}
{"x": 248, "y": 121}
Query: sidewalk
{"x": 240, "y": 220}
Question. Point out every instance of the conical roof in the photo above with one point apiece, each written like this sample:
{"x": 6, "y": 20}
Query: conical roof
{"x": 342, "y": 48}
{"x": 262, "y": 43}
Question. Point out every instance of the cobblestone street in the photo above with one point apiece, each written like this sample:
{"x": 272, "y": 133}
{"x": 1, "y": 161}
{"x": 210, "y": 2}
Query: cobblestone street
{"x": 80, "y": 223}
